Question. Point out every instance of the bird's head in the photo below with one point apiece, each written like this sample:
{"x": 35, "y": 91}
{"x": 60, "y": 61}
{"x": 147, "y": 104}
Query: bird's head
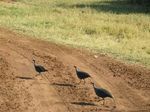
{"x": 75, "y": 66}
{"x": 92, "y": 83}
{"x": 33, "y": 60}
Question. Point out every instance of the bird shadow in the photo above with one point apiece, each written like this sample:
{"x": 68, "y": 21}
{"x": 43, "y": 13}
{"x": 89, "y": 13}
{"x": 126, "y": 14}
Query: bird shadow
{"x": 25, "y": 78}
{"x": 63, "y": 84}
{"x": 98, "y": 107}
{"x": 84, "y": 103}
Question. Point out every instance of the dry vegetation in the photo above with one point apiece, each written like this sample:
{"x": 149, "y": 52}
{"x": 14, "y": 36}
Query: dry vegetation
{"x": 7, "y": 0}
{"x": 104, "y": 26}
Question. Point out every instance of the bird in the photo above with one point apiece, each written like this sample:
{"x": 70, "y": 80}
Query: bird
{"x": 81, "y": 74}
{"x": 39, "y": 68}
{"x": 103, "y": 93}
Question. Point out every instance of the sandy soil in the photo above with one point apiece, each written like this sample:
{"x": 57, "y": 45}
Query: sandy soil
{"x": 57, "y": 91}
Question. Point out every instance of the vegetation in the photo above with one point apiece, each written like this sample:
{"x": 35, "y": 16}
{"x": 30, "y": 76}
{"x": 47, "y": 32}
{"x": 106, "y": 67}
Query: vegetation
{"x": 104, "y": 26}
{"x": 141, "y": 2}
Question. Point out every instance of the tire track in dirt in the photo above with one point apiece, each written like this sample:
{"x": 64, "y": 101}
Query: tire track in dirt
{"x": 119, "y": 86}
{"x": 12, "y": 93}
{"x": 38, "y": 87}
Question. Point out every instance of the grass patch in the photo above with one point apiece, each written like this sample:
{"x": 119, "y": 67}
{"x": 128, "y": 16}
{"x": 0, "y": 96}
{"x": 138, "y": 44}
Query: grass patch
{"x": 107, "y": 26}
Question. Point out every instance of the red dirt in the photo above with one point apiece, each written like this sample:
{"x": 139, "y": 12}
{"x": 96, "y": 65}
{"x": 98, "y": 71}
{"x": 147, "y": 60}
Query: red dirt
{"x": 20, "y": 91}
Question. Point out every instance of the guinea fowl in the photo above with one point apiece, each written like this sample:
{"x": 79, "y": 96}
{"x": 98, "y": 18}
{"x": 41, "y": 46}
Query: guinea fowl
{"x": 81, "y": 74}
{"x": 103, "y": 93}
{"x": 39, "y": 68}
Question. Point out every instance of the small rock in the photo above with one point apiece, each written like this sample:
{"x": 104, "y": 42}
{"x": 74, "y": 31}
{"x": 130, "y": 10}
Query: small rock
{"x": 95, "y": 56}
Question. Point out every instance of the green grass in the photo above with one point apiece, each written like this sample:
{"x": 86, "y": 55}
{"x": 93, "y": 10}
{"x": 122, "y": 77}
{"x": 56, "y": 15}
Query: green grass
{"x": 104, "y": 26}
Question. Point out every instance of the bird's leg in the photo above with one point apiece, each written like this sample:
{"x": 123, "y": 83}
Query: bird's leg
{"x": 84, "y": 81}
{"x": 37, "y": 74}
{"x": 103, "y": 101}
{"x": 43, "y": 77}
{"x": 114, "y": 102}
{"x": 47, "y": 78}
{"x": 99, "y": 100}
{"x": 79, "y": 82}
{"x": 90, "y": 79}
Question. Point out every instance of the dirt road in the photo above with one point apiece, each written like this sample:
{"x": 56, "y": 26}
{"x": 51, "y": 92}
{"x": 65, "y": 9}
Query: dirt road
{"x": 57, "y": 91}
